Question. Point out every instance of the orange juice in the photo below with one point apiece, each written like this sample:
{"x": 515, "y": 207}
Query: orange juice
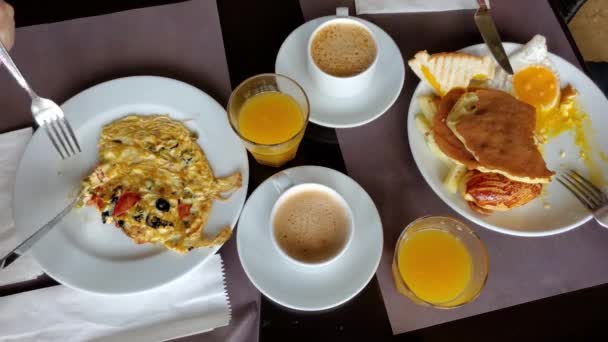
{"x": 272, "y": 118}
{"x": 435, "y": 265}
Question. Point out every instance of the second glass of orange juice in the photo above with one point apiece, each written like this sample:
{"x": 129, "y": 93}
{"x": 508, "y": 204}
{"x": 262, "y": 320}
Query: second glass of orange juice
{"x": 439, "y": 262}
{"x": 269, "y": 112}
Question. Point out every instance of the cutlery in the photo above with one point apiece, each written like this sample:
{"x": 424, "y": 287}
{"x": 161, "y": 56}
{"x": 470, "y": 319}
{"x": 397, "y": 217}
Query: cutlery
{"x": 46, "y": 112}
{"x": 590, "y": 195}
{"x": 31, "y": 241}
{"x": 489, "y": 33}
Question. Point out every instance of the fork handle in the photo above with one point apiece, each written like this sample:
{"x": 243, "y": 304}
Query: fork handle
{"x": 601, "y": 216}
{"x": 6, "y": 59}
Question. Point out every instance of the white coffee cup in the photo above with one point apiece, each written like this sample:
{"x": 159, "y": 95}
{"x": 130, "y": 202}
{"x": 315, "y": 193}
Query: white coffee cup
{"x": 284, "y": 182}
{"x": 341, "y": 86}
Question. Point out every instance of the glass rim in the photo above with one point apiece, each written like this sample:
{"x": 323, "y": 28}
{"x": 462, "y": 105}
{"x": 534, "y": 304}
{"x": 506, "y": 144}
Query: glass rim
{"x": 306, "y": 116}
{"x": 468, "y": 231}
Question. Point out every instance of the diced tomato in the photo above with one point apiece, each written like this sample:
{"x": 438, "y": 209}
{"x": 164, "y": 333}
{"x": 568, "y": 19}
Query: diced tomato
{"x": 183, "y": 210}
{"x": 96, "y": 201}
{"x": 125, "y": 202}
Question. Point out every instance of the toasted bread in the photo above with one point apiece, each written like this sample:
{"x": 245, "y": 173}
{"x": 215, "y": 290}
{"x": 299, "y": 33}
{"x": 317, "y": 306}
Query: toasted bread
{"x": 449, "y": 70}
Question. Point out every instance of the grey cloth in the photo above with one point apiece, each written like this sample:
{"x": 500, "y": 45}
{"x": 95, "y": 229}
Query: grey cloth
{"x": 182, "y": 41}
{"x": 377, "y": 156}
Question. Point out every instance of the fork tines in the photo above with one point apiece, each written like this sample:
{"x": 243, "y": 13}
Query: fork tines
{"x": 65, "y": 143}
{"x": 589, "y": 194}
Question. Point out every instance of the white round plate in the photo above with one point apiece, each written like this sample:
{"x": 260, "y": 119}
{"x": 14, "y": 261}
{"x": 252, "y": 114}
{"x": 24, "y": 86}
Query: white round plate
{"x": 564, "y": 212}
{"x": 80, "y": 251}
{"x": 309, "y": 288}
{"x": 350, "y": 111}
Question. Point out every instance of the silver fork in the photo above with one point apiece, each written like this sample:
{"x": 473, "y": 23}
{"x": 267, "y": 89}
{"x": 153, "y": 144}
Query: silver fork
{"x": 47, "y": 113}
{"x": 590, "y": 195}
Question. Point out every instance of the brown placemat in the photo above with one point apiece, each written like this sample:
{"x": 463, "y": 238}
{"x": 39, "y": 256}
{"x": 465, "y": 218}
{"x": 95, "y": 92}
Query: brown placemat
{"x": 377, "y": 156}
{"x": 181, "y": 41}
{"x": 588, "y": 27}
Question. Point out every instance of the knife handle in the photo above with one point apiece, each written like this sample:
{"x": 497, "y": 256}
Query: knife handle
{"x": 482, "y": 4}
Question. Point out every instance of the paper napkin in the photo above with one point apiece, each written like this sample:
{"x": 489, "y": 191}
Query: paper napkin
{"x": 12, "y": 146}
{"x": 403, "y": 6}
{"x": 195, "y": 303}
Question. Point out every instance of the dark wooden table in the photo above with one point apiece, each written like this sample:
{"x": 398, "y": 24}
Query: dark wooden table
{"x": 253, "y": 32}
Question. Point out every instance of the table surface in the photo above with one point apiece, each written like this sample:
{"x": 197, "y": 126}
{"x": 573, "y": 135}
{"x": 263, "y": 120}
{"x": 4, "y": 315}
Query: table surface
{"x": 253, "y": 32}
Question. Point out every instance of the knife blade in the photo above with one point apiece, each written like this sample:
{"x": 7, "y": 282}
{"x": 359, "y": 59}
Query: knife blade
{"x": 489, "y": 33}
{"x": 30, "y": 241}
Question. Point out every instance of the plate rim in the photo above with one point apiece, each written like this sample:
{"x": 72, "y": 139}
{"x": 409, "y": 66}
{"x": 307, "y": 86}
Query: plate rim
{"x": 509, "y": 46}
{"x": 347, "y": 298}
{"x": 245, "y": 185}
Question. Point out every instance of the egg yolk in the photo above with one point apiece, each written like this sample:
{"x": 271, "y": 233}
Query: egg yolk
{"x": 568, "y": 116}
{"x": 538, "y": 86}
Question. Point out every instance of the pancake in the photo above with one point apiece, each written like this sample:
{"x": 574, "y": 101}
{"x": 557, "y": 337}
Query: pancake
{"x": 499, "y": 131}
{"x": 445, "y": 139}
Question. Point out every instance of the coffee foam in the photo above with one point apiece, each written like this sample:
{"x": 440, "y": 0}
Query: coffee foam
{"x": 343, "y": 49}
{"x": 311, "y": 226}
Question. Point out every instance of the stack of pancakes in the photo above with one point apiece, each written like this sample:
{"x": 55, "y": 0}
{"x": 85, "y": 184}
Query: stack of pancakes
{"x": 492, "y": 134}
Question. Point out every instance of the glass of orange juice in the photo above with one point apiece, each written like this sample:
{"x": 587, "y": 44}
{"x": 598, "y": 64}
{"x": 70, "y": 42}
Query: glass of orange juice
{"x": 439, "y": 262}
{"x": 269, "y": 112}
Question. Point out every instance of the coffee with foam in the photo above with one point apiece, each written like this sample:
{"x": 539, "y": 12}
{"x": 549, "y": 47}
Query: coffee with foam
{"x": 343, "y": 49}
{"x": 311, "y": 225}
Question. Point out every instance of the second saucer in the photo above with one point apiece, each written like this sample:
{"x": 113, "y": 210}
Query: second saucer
{"x": 343, "y": 112}
{"x": 338, "y": 276}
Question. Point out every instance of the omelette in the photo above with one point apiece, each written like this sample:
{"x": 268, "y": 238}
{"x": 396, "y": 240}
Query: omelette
{"x": 154, "y": 182}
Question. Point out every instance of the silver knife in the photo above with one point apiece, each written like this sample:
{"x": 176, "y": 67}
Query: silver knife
{"x": 30, "y": 241}
{"x": 489, "y": 33}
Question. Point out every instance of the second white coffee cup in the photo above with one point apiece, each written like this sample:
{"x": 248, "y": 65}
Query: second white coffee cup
{"x": 330, "y": 243}
{"x": 341, "y": 86}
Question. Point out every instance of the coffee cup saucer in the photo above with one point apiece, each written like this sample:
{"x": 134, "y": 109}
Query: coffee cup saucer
{"x": 297, "y": 286}
{"x": 344, "y": 112}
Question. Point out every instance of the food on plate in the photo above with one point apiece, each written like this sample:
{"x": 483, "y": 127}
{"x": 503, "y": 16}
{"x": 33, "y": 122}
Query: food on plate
{"x": 537, "y": 82}
{"x": 446, "y": 71}
{"x": 487, "y": 192}
{"x": 444, "y": 136}
{"x": 154, "y": 182}
{"x": 498, "y": 130}
{"x": 538, "y": 86}
{"x": 533, "y": 54}
{"x": 490, "y": 128}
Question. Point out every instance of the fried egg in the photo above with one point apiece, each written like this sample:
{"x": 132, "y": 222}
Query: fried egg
{"x": 535, "y": 79}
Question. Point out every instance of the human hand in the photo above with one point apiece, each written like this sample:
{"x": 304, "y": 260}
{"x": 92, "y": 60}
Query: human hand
{"x": 7, "y": 24}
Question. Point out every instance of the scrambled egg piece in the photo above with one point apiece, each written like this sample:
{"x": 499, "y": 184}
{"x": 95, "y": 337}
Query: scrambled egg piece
{"x": 153, "y": 181}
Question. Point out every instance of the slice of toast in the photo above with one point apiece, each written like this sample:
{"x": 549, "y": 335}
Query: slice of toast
{"x": 448, "y": 70}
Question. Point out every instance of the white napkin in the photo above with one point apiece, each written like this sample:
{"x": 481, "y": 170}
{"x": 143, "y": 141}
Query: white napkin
{"x": 403, "y": 6}
{"x": 195, "y": 303}
{"x": 12, "y": 145}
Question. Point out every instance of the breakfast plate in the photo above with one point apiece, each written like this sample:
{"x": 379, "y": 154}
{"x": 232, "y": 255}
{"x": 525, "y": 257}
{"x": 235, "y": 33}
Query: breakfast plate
{"x": 556, "y": 210}
{"x": 297, "y": 286}
{"x": 80, "y": 251}
{"x": 351, "y": 111}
